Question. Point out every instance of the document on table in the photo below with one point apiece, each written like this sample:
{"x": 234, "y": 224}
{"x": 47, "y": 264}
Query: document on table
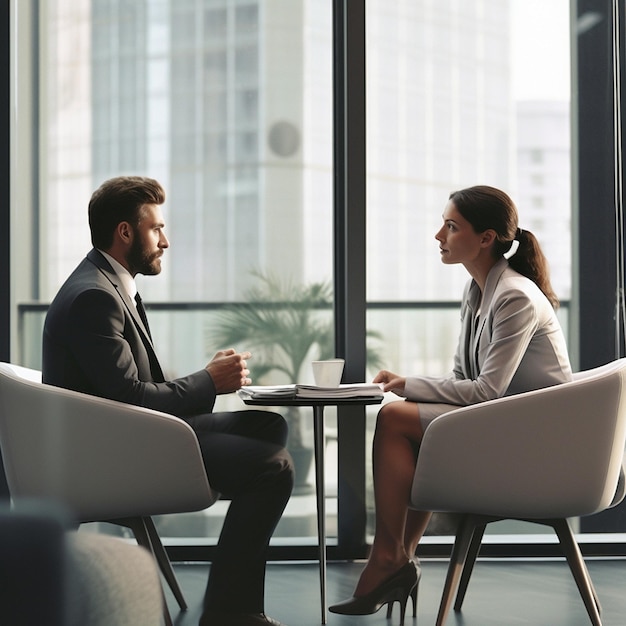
{"x": 348, "y": 390}
{"x": 263, "y": 392}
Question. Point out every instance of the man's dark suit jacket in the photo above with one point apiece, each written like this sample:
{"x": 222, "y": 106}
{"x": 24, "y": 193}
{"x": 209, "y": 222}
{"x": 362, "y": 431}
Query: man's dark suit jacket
{"x": 94, "y": 341}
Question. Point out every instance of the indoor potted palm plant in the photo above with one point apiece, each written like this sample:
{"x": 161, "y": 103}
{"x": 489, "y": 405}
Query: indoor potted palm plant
{"x": 285, "y": 326}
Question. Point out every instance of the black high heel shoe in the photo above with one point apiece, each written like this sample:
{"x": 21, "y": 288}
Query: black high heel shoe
{"x": 397, "y": 588}
{"x": 413, "y": 594}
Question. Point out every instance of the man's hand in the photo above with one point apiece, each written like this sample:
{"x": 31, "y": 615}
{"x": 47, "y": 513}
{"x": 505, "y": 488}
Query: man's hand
{"x": 392, "y": 381}
{"x": 228, "y": 369}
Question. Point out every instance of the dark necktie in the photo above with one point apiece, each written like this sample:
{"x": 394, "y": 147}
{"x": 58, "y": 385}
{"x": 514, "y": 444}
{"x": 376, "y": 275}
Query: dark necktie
{"x": 142, "y": 313}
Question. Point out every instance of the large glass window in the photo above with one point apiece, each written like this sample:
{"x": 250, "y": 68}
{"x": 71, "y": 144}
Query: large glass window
{"x": 201, "y": 95}
{"x": 229, "y": 104}
{"x": 457, "y": 95}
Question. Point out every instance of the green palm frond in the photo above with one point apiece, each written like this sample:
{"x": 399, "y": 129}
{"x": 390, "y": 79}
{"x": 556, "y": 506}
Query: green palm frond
{"x": 280, "y": 323}
{"x": 284, "y": 325}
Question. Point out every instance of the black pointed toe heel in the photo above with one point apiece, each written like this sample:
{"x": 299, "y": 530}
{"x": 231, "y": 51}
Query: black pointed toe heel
{"x": 397, "y": 588}
{"x": 413, "y": 596}
{"x": 414, "y": 591}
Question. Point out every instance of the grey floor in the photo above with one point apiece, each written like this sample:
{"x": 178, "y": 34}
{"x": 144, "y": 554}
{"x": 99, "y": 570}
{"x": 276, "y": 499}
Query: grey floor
{"x": 501, "y": 593}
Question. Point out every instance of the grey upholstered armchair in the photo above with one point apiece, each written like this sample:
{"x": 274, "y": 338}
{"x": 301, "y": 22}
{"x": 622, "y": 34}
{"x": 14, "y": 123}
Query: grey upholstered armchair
{"x": 542, "y": 456}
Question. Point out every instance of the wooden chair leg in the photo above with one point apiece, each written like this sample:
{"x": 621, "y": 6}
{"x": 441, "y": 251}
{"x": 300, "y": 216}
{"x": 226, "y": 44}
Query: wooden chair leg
{"x": 462, "y": 542}
{"x": 468, "y": 568}
{"x": 578, "y": 568}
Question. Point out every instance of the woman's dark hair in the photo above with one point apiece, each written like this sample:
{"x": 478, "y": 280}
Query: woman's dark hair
{"x": 487, "y": 208}
{"x": 118, "y": 200}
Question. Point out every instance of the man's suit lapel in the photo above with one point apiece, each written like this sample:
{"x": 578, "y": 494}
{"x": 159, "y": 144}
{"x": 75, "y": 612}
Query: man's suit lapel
{"x": 109, "y": 273}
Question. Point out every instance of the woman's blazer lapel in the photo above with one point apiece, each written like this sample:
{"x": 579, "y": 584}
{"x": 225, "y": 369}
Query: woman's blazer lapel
{"x": 482, "y": 333}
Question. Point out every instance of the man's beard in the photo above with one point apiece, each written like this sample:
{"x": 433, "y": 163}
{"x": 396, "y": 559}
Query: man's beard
{"x": 141, "y": 262}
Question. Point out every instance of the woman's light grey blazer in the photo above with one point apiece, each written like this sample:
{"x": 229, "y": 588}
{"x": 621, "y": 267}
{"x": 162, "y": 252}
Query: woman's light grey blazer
{"x": 511, "y": 341}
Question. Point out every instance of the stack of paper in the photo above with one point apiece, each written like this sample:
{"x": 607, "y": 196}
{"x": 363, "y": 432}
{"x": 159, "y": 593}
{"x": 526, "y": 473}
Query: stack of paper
{"x": 350, "y": 390}
{"x": 262, "y": 392}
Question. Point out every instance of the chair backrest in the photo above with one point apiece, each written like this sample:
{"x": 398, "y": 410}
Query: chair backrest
{"x": 99, "y": 458}
{"x": 24, "y": 373}
{"x": 553, "y": 452}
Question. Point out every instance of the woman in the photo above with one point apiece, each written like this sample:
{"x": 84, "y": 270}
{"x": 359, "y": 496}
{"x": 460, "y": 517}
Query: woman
{"x": 510, "y": 342}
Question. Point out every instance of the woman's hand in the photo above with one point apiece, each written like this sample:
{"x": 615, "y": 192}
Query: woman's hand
{"x": 392, "y": 381}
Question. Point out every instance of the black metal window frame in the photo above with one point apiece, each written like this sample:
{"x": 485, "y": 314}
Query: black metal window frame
{"x": 5, "y": 176}
{"x": 5, "y": 200}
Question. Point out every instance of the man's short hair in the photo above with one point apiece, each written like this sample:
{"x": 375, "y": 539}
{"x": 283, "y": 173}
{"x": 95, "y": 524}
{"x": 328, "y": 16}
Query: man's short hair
{"x": 118, "y": 200}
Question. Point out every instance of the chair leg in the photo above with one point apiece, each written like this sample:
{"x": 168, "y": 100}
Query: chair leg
{"x": 144, "y": 530}
{"x": 462, "y": 542}
{"x": 164, "y": 563}
{"x": 578, "y": 568}
{"x": 468, "y": 568}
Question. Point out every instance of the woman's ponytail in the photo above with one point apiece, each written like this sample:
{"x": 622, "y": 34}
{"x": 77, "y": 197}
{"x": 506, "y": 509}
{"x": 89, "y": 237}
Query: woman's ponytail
{"x": 530, "y": 261}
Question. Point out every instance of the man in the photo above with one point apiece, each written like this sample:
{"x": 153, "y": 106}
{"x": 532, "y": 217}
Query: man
{"x": 95, "y": 341}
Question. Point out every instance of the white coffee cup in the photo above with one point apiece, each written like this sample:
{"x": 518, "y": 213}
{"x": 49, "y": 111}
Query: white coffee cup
{"x": 328, "y": 373}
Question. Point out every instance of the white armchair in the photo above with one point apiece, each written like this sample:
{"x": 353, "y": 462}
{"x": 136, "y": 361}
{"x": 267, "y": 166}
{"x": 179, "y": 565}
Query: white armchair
{"x": 102, "y": 460}
{"x": 541, "y": 456}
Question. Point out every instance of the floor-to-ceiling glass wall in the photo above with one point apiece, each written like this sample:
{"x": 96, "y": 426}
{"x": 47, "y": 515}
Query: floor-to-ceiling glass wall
{"x": 203, "y": 95}
{"x": 459, "y": 94}
{"x": 228, "y": 103}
